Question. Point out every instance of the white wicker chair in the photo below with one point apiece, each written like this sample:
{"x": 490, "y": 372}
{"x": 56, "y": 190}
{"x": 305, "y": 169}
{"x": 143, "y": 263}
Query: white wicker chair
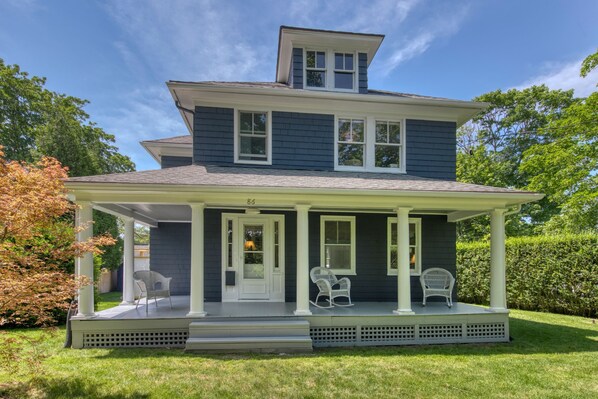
{"x": 437, "y": 282}
{"x": 330, "y": 286}
{"x": 152, "y": 285}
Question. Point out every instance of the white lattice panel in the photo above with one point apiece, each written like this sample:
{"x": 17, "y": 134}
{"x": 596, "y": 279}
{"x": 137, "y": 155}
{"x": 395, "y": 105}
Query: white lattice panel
{"x": 486, "y": 330}
{"x": 332, "y": 335}
{"x": 440, "y": 331}
{"x": 169, "y": 339}
{"x": 387, "y": 333}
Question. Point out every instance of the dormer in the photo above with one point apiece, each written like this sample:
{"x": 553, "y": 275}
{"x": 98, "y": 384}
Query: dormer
{"x": 313, "y": 59}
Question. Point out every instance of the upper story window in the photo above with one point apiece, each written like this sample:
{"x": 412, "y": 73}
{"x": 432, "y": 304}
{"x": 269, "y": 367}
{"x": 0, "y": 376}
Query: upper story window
{"x": 344, "y": 71}
{"x": 330, "y": 70}
{"x": 315, "y": 69}
{"x": 370, "y": 144}
{"x": 252, "y": 137}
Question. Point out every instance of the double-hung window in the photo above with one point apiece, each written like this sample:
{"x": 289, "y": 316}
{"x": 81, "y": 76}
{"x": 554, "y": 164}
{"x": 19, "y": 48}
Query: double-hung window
{"x": 252, "y": 139}
{"x": 351, "y": 142}
{"x": 414, "y": 246}
{"x": 337, "y": 243}
{"x": 344, "y": 71}
{"x": 315, "y": 68}
{"x": 370, "y": 144}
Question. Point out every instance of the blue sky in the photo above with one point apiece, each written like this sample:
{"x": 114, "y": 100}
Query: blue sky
{"x": 118, "y": 54}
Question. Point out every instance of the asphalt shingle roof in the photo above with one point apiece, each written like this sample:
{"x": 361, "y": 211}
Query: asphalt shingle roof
{"x": 198, "y": 175}
{"x": 186, "y": 139}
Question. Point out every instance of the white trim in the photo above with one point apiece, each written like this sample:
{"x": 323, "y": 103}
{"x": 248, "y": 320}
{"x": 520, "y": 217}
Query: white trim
{"x": 369, "y": 153}
{"x": 418, "y": 246}
{"x": 237, "y": 111}
{"x": 159, "y": 149}
{"x": 338, "y": 218}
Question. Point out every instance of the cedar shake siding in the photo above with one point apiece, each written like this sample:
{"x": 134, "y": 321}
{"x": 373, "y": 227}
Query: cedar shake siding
{"x": 362, "y": 68}
{"x": 431, "y": 149}
{"x": 170, "y": 245}
{"x": 167, "y": 161}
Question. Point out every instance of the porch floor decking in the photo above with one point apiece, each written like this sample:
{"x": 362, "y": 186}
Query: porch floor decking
{"x": 180, "y": 308}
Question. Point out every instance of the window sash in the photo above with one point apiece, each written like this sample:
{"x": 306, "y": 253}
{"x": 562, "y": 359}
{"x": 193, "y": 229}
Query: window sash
{"x": 253, "y": 133}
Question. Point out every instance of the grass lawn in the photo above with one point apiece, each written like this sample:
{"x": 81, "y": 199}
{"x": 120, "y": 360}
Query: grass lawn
{"x": 551, "y": 356}
{"x": 109, "y": 300}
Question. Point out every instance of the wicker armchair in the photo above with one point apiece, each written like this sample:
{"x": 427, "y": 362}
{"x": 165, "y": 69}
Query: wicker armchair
{"x": 437, "y": 282}
{"x": 152, "y": 285}
{"x": 330, "y": 286}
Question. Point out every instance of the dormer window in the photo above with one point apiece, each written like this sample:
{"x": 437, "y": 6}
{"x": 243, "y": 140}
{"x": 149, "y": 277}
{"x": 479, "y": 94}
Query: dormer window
{"x": 330, "y": 69}
{"x": 315, "y": 68}
{"x": 344, "y": 71}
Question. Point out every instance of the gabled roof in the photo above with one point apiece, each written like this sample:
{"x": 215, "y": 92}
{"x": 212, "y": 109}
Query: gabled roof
{"x": 232, "y": 177}
{"x": 185, "y": 139}
{"x": 178, "y": 146}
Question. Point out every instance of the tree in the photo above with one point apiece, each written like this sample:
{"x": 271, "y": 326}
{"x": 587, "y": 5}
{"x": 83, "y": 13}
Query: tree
{"x": 490, "y": 151}
{"x": 142, "y": 234}
{"x": 36, "y": 239}
{"x": 565, "y": 167}
{"x": 590, "y": 63}
{"x": 36, "y": 122}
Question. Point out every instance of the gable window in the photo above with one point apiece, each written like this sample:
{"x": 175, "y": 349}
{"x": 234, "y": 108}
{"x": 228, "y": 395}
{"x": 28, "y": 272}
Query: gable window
{"x": 344, "y": 71}
{"x": 414, "y": 246}
{"x": 351, "y": 142}
{"x": 315, "y": 68}
{"x": 370, "y": 144}
{"x": 252, "y": 140}
{"x": 337, "y": 243}
{"x": 388, "y": 144}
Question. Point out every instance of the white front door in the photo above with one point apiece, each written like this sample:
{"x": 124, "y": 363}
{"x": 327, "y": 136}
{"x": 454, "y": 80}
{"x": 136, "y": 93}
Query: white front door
{"x": 255, "y": 261}
{"x": 253, "y": 250}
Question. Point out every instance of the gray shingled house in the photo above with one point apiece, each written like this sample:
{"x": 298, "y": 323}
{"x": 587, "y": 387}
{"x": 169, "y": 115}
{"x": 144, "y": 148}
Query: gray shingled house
{"x": 313, "y": 170}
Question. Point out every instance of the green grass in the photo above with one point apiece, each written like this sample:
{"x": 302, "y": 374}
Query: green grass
{"x": 551, "y": 356}
{"x": 108, "y": 300}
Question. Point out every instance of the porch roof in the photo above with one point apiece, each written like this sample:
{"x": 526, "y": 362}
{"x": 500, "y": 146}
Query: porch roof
{"x": 219, "y": 176}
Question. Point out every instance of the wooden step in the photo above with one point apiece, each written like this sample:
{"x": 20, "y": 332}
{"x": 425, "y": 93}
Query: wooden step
{"x": 242, "y": 335}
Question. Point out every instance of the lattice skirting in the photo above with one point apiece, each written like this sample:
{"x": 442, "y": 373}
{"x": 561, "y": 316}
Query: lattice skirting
{"x": 409, "y": 334}
{"x": 136, "y": 339}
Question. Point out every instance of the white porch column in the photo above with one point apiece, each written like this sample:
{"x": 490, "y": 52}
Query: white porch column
{"x": 498, "y": 287}
{"x": 128, "y": 262}
{"x": 302, "y": 260}
{"x": 196, "y": 305}
{"x": 403, "y": 273}
{"x": 84, "y": 264}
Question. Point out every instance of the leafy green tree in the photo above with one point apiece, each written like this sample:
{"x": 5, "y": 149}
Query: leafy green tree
{"x": 565, "y": 167}
{"x": 36, "y": 122}
{"x": 491, "y": 148}
{"x": 590, "y": 63}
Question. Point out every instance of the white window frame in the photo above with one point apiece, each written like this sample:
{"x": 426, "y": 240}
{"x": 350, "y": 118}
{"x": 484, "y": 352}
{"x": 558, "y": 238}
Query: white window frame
{"x": 369, "y": 155}
{"x": 335, "y": 218}
{"x": 353, "y": 71}
{"x": 330, "y": 69}
{"x": 237, "y": 133}
{"x": 418, "y": 246}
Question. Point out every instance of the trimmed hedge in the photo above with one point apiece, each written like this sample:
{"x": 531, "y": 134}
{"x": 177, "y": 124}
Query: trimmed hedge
{"x": 556, "y": 274}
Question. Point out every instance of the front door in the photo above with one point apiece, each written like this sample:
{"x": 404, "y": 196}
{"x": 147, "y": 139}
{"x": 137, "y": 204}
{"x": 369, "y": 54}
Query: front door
{"x": 255, "y": 262}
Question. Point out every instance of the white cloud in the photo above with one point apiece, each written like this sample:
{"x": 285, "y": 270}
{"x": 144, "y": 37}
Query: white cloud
{"x": 565, "y": 77}
{"x": 439, "y": 25}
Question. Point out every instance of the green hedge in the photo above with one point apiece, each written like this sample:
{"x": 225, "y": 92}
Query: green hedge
{"x": 556, "y": 274}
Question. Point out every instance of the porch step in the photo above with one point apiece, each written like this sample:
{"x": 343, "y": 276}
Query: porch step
{"x": 263, "y": 335}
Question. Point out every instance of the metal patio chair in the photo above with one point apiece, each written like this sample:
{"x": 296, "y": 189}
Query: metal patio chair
{"x": 152, "y": 285}
{"x": 437, "y": 282}
{"x": 330, "y": 286}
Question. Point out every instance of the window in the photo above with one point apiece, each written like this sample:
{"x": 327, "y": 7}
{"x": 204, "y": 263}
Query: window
{"x": 344, "y": 71}
{"x": 252, "y": 142}
{"x": 370, "y": 144}
{"x": 337, "y": 243}
{"x": 388, "y": 144}
{"x": 351, "y": 142}
{"x": 229, "y": 243}
{"x": 276, "y": 245}
{"x": 414, "y": 246}
{"x": 315, "y": 68}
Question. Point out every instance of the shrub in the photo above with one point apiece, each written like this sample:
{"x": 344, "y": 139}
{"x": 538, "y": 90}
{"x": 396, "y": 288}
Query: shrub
{"x": 556, "y": 274}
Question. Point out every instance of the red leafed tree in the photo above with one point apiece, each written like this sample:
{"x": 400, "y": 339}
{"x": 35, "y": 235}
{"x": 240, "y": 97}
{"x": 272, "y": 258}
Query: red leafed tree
{"x": 36, "y": 242}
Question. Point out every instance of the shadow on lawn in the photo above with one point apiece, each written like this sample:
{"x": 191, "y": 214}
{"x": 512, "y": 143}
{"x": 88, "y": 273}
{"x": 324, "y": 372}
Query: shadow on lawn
{"x": 61, "y": 388}
{"x": 528, "y": 337}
